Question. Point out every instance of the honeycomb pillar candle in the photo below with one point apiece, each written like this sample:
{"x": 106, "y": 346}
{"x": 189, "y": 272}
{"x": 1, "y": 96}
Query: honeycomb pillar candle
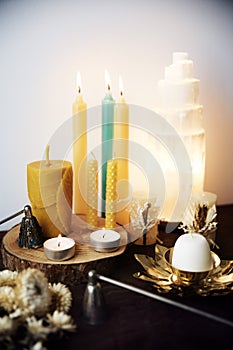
{"x": 92, "y": 192}
{"x": 79, "y": 151}
{"x": 49, "y": 184}
{"x": 121, "y": 153}
{"x": 111, "y": 195}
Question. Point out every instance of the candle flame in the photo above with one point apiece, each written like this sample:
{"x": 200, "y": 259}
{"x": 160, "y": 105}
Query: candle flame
{"x": 121, "y": 87}
{"x": 78, "y": 82}
{"x": 107, "y": 80}
{"x": 59, "y": 240}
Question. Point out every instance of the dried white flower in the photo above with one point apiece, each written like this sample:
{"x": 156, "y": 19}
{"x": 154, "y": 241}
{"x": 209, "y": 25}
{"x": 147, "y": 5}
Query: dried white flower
{"x": 143, "y": 215}
{"x": 61, "y": 297}
{"x": 38, "y": 346}
{"x": 37, "y": 328}
{"x": 28, "y": 298}
{"x": 34, "y": 325}
{"x": 16, "y": 313}
{"x": 8, "y": 278}
{"x": 7, "y": 298}
{"x": 6, "y": 325}
{"x": 32, "y": 292}
{"x": 62, "y": 321}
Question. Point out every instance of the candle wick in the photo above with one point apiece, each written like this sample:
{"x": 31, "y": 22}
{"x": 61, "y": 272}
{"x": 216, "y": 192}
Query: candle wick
{"x": 121, "y": 93}
{"x": 109, "y": 87}
{"x": 79, "y": 90}
{"x": 104, "y": 235}
{"x": 59, "y": 244}
{"x": 93, "y": 156}
{"x": 47, "y": 156}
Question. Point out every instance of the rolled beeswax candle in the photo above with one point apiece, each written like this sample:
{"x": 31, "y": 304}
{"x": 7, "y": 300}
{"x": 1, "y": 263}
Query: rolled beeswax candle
{"x": 111, "y": 195}
{"x": 92, "y": 192}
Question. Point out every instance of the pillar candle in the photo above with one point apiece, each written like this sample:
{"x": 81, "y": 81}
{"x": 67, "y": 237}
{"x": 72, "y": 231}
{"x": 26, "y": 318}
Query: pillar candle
{"x": 121, "y": 150}
{"x": 79, "y": 151}
{"x": 107, "y": 135}
{"x": 111, "y": 195}
{"x": 49, "y": 184}
{"x": 92, "y": 192}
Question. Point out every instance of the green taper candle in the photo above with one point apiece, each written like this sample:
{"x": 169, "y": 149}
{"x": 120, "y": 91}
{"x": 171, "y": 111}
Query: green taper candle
{"x": 107, "y": 135}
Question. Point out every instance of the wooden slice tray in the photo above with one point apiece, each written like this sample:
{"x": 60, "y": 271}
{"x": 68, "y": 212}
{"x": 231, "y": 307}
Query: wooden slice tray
{"x": 72, "y": 271}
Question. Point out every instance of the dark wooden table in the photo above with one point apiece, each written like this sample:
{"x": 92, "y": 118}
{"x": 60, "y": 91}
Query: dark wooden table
{"x": 138, "y": 322}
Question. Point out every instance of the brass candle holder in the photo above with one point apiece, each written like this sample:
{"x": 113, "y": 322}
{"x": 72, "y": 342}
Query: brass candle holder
{"x": 189, "y": 278}
{"x": 167, "y": 279}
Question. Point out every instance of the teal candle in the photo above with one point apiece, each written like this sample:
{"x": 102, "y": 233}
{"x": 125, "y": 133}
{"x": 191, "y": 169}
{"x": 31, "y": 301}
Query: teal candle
{"x": 107, "y": 136}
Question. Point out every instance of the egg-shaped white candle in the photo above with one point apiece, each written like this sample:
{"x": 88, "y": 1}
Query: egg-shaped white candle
{"x": 105, "y": 240}
{"x": 59, "y": 248}
{"x": 192, "y": 253}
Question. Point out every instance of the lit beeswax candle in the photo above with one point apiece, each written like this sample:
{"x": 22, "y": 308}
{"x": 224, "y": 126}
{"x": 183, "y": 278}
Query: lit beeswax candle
{"x": 49, "y": 185}
{"x": 121, "y": 150}
{"x": 107, "y": 134}
{"x": 111, "y": 195}
{"x": 92, "y": 192}
{"x": 79, "y": 150}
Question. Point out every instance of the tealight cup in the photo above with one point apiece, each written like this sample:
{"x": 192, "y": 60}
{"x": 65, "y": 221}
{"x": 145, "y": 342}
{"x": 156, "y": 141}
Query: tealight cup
{"x": 59, "y": 248}
{"x": 105, "y": 240}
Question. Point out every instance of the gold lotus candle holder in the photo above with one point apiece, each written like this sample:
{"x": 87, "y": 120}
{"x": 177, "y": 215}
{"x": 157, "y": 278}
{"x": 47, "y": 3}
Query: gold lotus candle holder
{"x": 189, "y": 278}
{"x": 166, "y": 279}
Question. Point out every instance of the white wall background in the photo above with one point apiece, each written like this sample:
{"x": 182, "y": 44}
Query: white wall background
{"x": 44, "y": 43}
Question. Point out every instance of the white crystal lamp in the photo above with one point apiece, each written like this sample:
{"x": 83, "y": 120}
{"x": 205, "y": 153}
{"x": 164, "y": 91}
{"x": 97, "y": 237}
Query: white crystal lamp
{"x": 178, "y": 103}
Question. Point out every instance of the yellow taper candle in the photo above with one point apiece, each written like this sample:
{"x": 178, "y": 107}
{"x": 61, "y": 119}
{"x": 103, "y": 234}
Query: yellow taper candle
{"x": 111, "y": 195}
{"x": 79, "y": 151}
{"x": 121, "y": 151}
{"x": 92, "y": 193}
{"x": 49, "y": 185}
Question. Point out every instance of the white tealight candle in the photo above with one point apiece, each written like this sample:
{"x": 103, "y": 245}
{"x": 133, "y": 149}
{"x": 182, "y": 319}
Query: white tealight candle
{"x": 59, "y": 248}
{"x": 192, "y": 253}
{"x": 105, "y": 240}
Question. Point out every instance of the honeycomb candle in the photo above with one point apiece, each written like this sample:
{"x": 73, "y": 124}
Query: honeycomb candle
{"x": 192, "y": 253}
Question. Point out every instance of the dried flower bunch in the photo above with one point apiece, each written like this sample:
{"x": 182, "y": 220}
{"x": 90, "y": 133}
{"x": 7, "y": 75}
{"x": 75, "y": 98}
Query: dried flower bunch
{"x": 200, "y": 218}
{"x": 32, "y": 310}
{"x": 143, "y": 215}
